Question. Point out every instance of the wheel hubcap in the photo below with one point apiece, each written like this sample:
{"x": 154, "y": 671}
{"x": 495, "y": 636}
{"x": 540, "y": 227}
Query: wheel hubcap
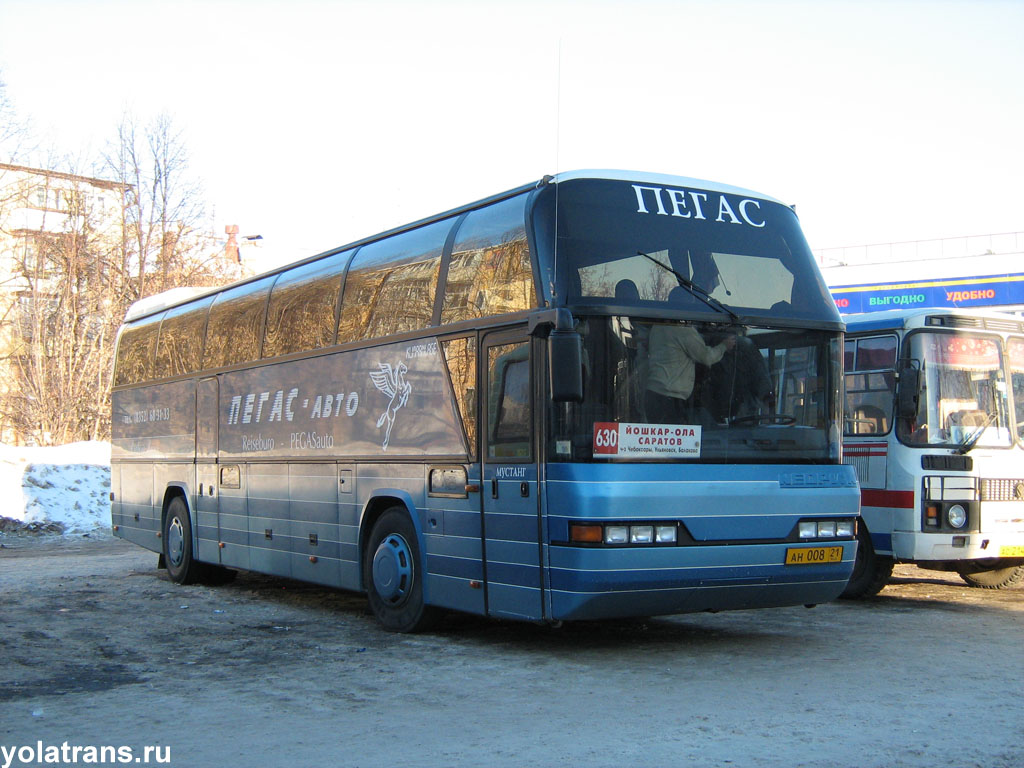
{"x": 392, "y": 569}
{"x": 175, "y": 542}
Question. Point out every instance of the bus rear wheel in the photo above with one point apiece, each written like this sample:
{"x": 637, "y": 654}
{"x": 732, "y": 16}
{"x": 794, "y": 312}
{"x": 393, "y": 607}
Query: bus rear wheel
{"x": 393, "y": 574}
{"x": 871, "y": 571}
{"x": 181, "y": 566}
{"x": 177, "y": 556}
{"x": 985, "y": 576}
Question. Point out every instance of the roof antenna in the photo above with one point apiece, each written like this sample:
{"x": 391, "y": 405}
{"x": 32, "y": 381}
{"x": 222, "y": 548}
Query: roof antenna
{"x": 558, "y": 148}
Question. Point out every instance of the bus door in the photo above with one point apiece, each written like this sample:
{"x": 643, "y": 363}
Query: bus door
{"x": 205, "y": 506}
{"x": 509, "y": 491}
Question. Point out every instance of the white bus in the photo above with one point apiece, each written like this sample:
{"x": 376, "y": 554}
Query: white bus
{"x": 934, "y": 425}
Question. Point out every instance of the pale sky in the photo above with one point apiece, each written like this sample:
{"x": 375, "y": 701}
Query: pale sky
{"x": 317, "y": 123}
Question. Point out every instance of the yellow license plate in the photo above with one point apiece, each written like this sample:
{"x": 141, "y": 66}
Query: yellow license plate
{"x": 1011, "y": 551}
{"x": 813, "y": 555}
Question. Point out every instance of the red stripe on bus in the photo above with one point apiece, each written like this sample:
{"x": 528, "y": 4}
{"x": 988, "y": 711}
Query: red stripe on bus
{"x": 891, "y": 499}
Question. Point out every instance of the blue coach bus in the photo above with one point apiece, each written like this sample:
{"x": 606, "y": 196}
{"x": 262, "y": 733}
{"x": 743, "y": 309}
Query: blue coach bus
{"x": 603, "y": 394}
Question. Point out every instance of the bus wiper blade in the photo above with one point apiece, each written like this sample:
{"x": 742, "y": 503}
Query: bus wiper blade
{"x": 695, "y": 290}
{"x": 971, "y": 440}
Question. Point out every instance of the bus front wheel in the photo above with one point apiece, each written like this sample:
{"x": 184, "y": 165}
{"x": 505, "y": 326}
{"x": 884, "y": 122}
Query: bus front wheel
{"x": 393, "y": 574}
{"x": 871, "y": 571}
{"x": 986, "y": 577}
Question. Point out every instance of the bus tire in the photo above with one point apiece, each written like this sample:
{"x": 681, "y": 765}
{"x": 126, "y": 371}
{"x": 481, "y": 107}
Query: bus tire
{"x": 182, "y": 567}
{"x": 986, "y": 577}
{"x": 871, "y": 571}
{"x": 393, "y": 574}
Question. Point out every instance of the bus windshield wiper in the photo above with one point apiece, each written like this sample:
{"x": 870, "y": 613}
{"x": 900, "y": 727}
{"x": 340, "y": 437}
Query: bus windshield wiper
{"x": 972, "y": 439}
{"x": 695, "y": 290}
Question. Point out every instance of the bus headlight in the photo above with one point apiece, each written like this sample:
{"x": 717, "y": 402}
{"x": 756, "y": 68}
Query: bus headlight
{"x": 956, "y": 516}
{"x": 827, "y": 529}
{"x": 616, "y": 534}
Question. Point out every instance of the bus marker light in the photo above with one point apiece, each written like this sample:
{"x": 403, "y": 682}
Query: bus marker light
{"x": 586, "y": 534}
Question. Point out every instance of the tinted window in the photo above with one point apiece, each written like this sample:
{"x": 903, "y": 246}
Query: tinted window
{"x": 489, "y": 272}
{"x": 236, "y": 324}
{"x": 180, "y": 349}
{"x": 135, "y": 352}
{"x": 391, "y": 284}
{"x": 508, "y": 397}
{"x": 748, "y": 253}
{"x": 302, "y": 311}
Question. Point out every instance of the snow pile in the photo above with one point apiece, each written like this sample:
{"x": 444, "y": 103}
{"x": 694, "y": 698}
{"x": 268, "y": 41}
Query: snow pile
{"x": 64, "y": 489}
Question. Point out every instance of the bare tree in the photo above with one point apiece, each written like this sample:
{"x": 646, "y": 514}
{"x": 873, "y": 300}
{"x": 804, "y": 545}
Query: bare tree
{"x": 100, "y": 245}
{"x": 14, "y": 131}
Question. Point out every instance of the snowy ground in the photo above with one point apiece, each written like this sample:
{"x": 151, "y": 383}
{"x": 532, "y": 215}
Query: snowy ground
{"x": 64, "y": 489}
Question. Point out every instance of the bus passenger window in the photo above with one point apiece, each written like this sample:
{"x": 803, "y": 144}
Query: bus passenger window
{"x": 235, "y": 329}
{"x": 870, "y": 385}
{"x": 180, "y": 348}
{"x": 489, "y": 272}
{"x": 391, "y": 284}
{"x": 508, "y": 399}
{"x": 460, "y": 355}
{"x": 135, "y": 352}
{"x": 302, "y": 311}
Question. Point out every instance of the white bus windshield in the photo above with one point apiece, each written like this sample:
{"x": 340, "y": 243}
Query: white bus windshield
{"x": 963, "y": 397}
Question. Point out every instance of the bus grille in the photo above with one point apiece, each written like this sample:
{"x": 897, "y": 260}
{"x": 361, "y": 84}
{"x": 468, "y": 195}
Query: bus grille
{"x": 997, "y": 489}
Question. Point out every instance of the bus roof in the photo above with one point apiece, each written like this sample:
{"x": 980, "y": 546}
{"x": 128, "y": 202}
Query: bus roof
{"x": 663, "y": 180}
{"x": 165, "y": 300}
{"x": 901, "y": 319}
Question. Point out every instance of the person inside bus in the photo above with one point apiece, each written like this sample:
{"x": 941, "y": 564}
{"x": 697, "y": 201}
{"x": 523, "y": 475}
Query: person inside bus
{"x": 673, "y": 353}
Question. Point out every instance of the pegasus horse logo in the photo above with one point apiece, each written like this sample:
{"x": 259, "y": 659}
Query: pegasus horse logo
{"x": 393, "y": 384}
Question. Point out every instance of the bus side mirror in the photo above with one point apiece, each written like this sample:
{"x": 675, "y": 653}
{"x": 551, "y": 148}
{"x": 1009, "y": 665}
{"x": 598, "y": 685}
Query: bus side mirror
{"x": 909, "y": 394}
{"x": 565, "y": 366}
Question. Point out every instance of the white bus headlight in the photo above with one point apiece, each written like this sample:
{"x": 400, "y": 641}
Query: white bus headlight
{"x": 808, "y": 530}
{"x": 827, "y": 529}
{"x": 956, "y": 516}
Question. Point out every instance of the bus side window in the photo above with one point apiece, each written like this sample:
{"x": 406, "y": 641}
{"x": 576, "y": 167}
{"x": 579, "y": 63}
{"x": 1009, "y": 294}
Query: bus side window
{"x": 180, "y": 347}
{"x": 235, "y": 329}
{"x": 303, "y": 306}
{"x": 489, "y": 272}
{"x": 391, "y": 284}
{"x": 135, "y": 352}
{"x": 460, "y": 355}
{"x": 870, "y": 385}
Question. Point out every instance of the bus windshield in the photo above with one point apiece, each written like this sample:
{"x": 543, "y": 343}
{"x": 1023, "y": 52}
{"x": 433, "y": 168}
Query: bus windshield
{"x": 963, "y": 399}
{"x": 630, "y": 245}
{"x": 772, "y": 397}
